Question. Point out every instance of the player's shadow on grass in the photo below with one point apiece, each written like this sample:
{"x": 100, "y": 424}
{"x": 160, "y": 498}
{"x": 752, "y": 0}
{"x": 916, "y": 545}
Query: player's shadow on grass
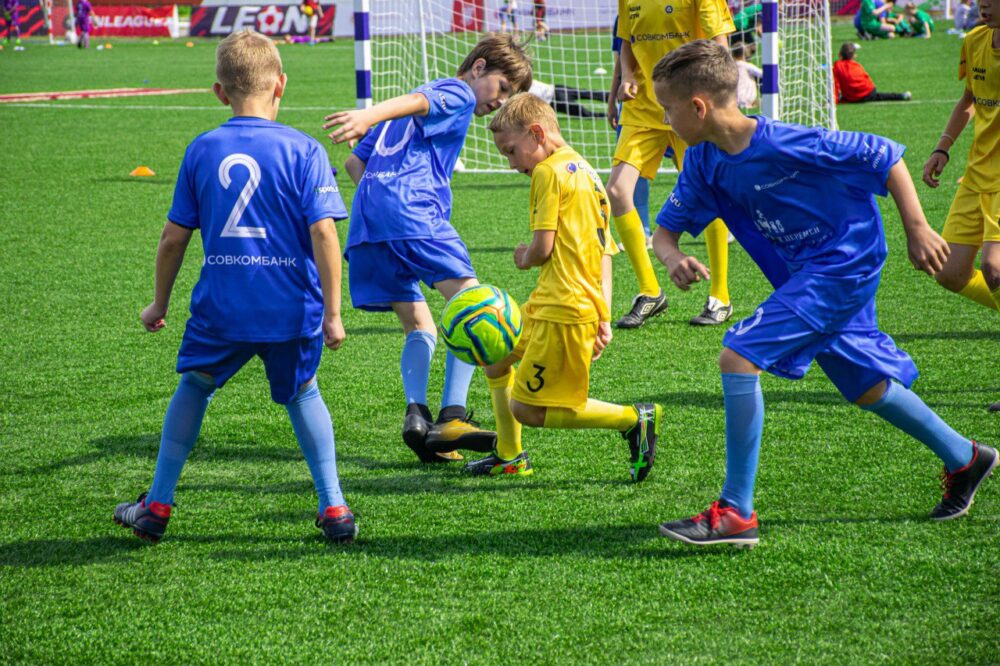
{"x": 713, "y": 400}
{"x": 67, "y": 552}
{"x": 972, "y": 336}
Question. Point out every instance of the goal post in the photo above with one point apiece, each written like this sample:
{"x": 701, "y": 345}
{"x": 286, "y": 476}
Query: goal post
{"x": 401, "y": 44}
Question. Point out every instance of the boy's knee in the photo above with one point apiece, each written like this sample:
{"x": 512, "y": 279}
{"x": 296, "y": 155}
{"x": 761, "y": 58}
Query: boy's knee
{"x": 991, "y": 273}
{"x": 620, "y": 192}
{"x": 528, "y": 415}
{"x": 952, "y": 280}
{"x": 732, "y": 362}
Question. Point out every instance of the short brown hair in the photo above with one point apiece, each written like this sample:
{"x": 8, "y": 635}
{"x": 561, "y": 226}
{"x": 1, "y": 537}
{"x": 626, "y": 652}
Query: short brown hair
{"x": 247, "y": 62}
{"x": 847, "y": 51}
{"x": 701, "y": 66}
{"x": 521, "y": 111}
{"x": 505, "y": 54}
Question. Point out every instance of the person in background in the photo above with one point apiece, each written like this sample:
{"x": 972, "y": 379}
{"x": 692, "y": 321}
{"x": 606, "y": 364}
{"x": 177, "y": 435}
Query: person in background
{"x": 920, "y": 22}
{"x": 750, "y": 74}
{"x": 852, "y": 83}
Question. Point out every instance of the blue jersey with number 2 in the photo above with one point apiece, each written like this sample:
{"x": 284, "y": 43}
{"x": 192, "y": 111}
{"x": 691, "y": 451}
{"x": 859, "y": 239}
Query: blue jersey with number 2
{"x": 253, "y": 188}
{"x": 801, "y": 202}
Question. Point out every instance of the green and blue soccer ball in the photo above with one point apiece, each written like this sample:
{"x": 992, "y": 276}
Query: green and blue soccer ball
{"x": 481, "y": 325}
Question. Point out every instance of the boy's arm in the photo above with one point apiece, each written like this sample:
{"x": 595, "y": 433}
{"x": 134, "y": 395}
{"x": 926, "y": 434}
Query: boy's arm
{"x": 927, "y": 250}
{"x": 536, "y": 254}
{"x": 616, "y": 78}
{"x": 355, "y": 167}
{"x": 355, "y": 123}
{"x": 604, "y": 333}
{"x": 684, "y": 270}
{"x": 629, "y": 86}
{"x": 326, "y": 251}
{"x": 960, "y": 117}
{"x": 169, "y": 257}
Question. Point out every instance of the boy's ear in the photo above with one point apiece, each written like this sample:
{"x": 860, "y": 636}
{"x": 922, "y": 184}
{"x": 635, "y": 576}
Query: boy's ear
{"x": 478, "y": 67}
{"x": 537, "y": 131}
{"x": 220, "y": 93}
{"x": 700, "y": 107}
{"x": 279, "y": 87}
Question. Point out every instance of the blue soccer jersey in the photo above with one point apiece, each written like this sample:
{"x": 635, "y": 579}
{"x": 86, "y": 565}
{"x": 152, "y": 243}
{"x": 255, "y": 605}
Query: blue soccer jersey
{"x": 405, "y": 191}
{"x": 801, "y": 202}
{"x": 253, "y": 188}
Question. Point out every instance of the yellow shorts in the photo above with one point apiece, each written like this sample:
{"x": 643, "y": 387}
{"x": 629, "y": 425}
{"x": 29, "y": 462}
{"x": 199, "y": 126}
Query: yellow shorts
{"x": 643, "y": 148}
{"x": 973, "y": 217}
{"x": 555, "y": 363}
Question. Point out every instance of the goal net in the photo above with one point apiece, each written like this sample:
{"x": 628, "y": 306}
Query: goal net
{"x": 401, "y": 44}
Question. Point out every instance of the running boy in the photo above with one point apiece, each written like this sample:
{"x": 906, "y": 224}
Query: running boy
{"x": 401, "y": 232}
{"x": 801, "y": 201}
{"x": 84, "y": 10}
{"x": 648, "y": 33}
{"x": 973, "y": 219}
{"x": 264, "y": 199}
{"x": 566, "y": 319}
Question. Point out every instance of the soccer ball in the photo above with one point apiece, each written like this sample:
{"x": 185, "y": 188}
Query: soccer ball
{"x": 481, "y": 324}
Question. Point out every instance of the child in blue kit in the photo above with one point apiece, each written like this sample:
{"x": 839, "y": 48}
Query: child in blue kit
{"x": 401, "y": 234}
{"x": 264, "y": 199}
{"x": 801, "y": 202}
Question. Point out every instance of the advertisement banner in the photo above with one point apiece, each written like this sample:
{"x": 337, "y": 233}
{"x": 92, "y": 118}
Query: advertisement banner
{"x": 130, "y": 21}
{"x": 273, "y": 19}
{"x": 32, "y": 19}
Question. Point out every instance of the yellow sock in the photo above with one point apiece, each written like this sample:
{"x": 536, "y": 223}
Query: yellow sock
{"x": 629, "y": 227}
{"x": 977, "y": 290}
{"x": 717, "y": 241}
{"x": 595, "y": 414}
{"x": 508, "y": 429}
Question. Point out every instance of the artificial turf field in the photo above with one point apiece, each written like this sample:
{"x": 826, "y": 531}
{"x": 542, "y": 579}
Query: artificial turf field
{"x": 563, "y": 566}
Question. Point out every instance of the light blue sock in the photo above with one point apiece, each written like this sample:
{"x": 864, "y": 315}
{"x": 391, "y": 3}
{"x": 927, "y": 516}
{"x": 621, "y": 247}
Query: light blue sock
{"x": 904, "y": 409}
{"x": 640, "y": 199}
{"x": 744, "y": 426}
{"x": 181, "y": 426}
{"x": 314, "y": 430}
{"x": 415, "y": 365}
{"x": 457, "y": 377}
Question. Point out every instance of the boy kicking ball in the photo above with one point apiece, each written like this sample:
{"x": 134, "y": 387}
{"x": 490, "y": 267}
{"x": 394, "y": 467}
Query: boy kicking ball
{"x": 264, "y": 199}
{"x": 567, "y": 317}
{"x": 801, "y": 202}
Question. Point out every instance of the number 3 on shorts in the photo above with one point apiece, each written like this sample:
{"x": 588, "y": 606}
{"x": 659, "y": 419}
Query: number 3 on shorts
{"x": 538, "y": 375}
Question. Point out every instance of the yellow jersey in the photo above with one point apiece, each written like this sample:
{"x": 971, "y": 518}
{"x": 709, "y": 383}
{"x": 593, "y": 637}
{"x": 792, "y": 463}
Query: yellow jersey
{"x": 568, "y": 197}
{"x": 980, "y": 67}
{"x": 654, "y": 28}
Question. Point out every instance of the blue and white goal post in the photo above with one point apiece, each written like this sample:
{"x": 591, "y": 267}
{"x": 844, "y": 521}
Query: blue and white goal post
{"x": 400, "y": 44}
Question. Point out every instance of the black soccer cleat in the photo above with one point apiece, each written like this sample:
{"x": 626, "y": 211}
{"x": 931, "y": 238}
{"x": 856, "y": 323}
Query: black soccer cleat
{"x": 146, "y": 522}
{"x": 460, "y": 432}
{"x": 720, "y": 524}
{"x": 960, "y": 486}
{"x": 643, "y": 307}
{"x": 642, "y": 438}
{"x": 713, "y": 314}
{"x": 338, "y": 525}
{"x": 494, "y": 465}
{"x": 416, "y": 425}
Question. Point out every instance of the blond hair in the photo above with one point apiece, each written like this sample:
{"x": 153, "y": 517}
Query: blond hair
{"x": 522, "y": 111}
{"x": 701, "y": 66}
{"x": 505, "y": 54}
{"x": 247, "y": 62}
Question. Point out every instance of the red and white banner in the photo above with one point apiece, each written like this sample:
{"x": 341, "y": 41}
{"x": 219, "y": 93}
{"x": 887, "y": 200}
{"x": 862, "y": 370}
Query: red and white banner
{"x": 131, "y": 21}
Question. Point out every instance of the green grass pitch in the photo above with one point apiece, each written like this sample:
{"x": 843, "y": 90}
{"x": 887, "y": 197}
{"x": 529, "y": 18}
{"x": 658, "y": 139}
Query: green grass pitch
{"x": 565, "y": 566}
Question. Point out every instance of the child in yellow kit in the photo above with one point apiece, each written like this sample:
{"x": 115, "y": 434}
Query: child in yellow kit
{"x": 566, "y": 318}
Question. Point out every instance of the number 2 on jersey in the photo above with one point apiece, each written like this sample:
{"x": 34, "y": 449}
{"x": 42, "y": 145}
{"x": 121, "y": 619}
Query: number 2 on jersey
{"x": 232, "y": 228}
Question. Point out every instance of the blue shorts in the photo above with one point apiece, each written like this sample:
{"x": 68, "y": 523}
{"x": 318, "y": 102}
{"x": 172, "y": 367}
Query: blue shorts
{"x": 855, "y": 358}
{"x": 391, "y": 272}
{"x": 288, "y": 365}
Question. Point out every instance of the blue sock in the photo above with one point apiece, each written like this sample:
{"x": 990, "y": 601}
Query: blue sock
{"x": 415, "y": 365}
{"x": 640, "y": 199}
{"x": 457, "y": 377}
{"x": 314, "y": 430}
{"x": 181, "y": 426}
{"x": 744, "y": 426}
{"x": 904, "y": 409}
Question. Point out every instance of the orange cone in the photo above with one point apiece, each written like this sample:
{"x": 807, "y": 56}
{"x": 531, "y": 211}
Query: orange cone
{"x": 142, "y": 171}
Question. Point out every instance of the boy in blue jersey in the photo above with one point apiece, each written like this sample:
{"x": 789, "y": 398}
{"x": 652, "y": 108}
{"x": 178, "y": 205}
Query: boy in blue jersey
{"x": 401, "y": 234}
{"x": 264, "y": 199}
{"x": 801, "y": 202}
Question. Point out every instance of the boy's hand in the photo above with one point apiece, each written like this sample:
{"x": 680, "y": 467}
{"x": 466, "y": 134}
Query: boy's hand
{"x": 613, "y": 113}
{"x": 519, "y": 253}
{"x": 603, "y": 339}
{"x": 333, "y": 331}
{"x": 933, "y": 167}
{"x": 685, "y": 270}
{"x": 927, "y": 250}
{"x": 628, "y": 89}
{"x": 153, "y": 317}
{"x": 354, "y": 124}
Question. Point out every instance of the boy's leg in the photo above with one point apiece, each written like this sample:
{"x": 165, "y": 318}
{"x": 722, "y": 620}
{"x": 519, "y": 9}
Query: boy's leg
{"x": 638, "y": 153}
{"x": 313, "y": 428}
{"x": 972, "y": 219}
{"x": 508, "y": 457}
{"x": 641, "y": 201}
{"x": 990, "y": 266}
